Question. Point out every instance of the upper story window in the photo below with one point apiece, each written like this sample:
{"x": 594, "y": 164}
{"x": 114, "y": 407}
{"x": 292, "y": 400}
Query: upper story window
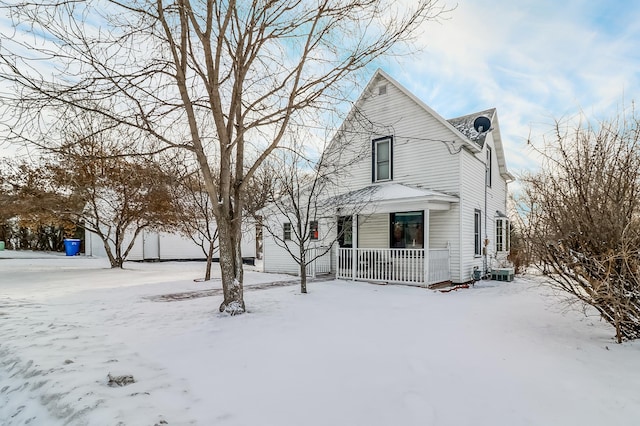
{"x": 382, "y": 159}
{"x": 286, "y": 231}
{"x": 489, "y": 167}
{"x": 502, "y": 234}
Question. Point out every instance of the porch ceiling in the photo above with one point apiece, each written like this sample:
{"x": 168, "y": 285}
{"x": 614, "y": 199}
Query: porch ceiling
{"x": 394, "y": 197}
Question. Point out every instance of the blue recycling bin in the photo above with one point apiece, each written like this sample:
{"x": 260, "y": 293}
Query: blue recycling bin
{"x": 71, "y": 246}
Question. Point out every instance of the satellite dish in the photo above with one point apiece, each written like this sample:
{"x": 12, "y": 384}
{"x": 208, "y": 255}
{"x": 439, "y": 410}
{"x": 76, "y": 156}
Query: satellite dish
{"x": 482, "y": 124}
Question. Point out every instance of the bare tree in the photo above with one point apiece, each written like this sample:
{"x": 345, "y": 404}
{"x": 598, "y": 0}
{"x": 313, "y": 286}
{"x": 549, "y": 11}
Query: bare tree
{"x": 520, "y": 252}
{"x": 192, "y": 205}
{"x": 194, "y": 213}
{"x": 297, "y": 203}
{"x": 201, "y": 76}
{"x": 582, "y": 217}
{"x": 303, "y": 204}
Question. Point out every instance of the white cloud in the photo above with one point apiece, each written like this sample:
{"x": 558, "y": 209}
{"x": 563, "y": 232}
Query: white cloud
{"x": 533, "y": 60}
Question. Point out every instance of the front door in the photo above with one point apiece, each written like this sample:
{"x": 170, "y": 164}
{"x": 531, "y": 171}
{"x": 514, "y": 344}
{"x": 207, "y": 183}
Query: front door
{"x": 345, "y": 231}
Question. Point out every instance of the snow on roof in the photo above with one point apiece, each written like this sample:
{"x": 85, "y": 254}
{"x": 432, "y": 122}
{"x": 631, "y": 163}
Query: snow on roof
{"x": 392, "y": 192}
{"x": 464, "y": 124}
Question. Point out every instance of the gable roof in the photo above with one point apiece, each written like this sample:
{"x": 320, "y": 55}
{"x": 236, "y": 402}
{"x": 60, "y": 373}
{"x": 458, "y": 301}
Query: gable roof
{"x": 460, "y": 127}
{"x": 464, "y": 125}
{"x": 379, "y": 74}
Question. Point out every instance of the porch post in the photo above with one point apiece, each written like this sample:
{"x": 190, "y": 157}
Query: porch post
{"x": 354, "y": 246}
{"x": 425, "y": 246}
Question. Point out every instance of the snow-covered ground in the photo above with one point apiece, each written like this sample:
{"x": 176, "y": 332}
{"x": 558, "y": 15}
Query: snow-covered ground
{"x": 344, "y": 354}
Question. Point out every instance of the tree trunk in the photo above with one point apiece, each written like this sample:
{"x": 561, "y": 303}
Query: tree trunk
{"x": 231, "y": 265}
{"x": 117, "y": 260}
{"x": 114, "y": 261}
{"x": 207, "y": 274}
{"x": 303, "y": 270}
{"x": 303, "y": 278}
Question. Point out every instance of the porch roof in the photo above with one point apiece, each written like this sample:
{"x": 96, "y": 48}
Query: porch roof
{"x": 393, "y": 197}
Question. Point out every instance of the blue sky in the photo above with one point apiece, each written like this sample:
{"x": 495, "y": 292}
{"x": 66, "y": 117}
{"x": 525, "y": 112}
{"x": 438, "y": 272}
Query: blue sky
{"x": 532, "y": 60}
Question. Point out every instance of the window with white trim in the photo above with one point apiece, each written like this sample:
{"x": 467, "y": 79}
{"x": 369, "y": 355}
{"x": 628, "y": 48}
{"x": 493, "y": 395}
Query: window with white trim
{"x": 313, "y": 230}
{"x": 286, "y": 230}
{"x": 502, "y": 234}
{"x": 382, "y": 159}
{"x": 477, "y": 232}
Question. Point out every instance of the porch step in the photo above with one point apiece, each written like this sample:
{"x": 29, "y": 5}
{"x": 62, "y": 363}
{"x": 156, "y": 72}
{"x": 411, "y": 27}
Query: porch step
{"x": 438, "y": 286}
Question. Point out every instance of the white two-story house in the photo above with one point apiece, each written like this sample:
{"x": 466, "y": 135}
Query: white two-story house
{"x": 421, "y": 199}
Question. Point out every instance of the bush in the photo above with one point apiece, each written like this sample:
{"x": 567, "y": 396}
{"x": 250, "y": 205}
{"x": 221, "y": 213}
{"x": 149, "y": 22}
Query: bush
{"x": 582, "y": 216}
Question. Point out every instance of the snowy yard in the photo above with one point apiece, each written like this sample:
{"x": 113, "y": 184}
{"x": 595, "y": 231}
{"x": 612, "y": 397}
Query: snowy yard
{"x": 347, "y": 354}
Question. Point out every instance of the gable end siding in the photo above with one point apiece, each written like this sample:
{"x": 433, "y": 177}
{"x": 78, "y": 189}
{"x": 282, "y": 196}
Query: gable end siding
{"x": 473, "y": 194}
{"x": 424, "y": 151}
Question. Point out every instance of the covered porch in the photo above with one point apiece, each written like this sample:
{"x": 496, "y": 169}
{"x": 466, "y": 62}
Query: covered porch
{"x": 399, "y": 266}
{"x": 389, "y": 239}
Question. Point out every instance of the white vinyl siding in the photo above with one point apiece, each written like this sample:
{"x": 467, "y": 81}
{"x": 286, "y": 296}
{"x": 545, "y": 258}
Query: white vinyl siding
{"x": 473, "y": 192}
{"x": 373, "y": 231}
{"x": 276, "y": 258}
{"x": 422, "y": 154}
{"x": 473, "y": 197}
{"x": 444, "y": 231}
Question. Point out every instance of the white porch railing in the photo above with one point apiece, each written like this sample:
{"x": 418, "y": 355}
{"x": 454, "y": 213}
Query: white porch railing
{"x": 403, "y": 266}
{"x": 322, "y": 264}
{"x": 439, "y": 266}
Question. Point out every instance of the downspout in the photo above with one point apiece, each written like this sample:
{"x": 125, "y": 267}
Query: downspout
{"x": 461, "y": 222}
{"x": 486, "y": 238}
